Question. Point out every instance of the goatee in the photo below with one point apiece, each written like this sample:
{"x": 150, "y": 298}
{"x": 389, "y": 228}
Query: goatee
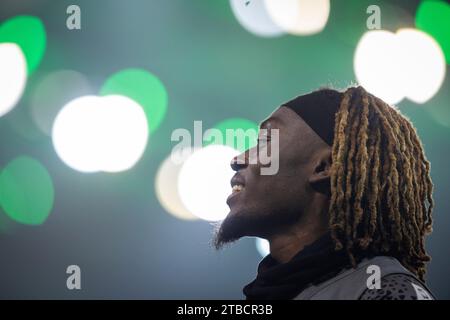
{"x": 236, "y": 226}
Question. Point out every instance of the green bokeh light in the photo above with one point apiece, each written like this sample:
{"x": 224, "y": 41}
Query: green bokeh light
{"x": 248, "y": 135}
{"x": 144, "y": 88}
{"x": 29, "y": 33}
{"x": 433, "y": 17}
{"x": 26, "y": 191}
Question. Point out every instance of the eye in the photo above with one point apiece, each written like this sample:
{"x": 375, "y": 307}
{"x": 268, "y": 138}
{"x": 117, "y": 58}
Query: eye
{"x": 263, "y": 138}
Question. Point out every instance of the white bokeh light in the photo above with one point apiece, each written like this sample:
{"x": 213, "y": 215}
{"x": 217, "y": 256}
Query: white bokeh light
{"x": 299, "y": 17}
{"x": 204, "y": 182}
{"x": 107, "y": 133}
{"x": 13, "y": 76}
{"x": 408, "y": 64}
{"x": 166, "y": 187}
{"x": 425, "y": 58}
{"x": 374, "y": 62}
{"x": 254, "y": 18}
{"x": 263, "y": 247}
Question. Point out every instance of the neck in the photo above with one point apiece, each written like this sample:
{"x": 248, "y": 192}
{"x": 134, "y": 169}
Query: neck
{"x": 284, "y": 245}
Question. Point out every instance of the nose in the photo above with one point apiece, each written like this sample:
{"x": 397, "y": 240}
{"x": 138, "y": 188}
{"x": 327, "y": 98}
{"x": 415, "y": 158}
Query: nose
{"x": 240, "y": 161}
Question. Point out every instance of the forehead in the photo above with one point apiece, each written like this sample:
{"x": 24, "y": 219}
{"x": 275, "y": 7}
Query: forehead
{"x": 291, "y": 126}
{"x": 282, "y": 117}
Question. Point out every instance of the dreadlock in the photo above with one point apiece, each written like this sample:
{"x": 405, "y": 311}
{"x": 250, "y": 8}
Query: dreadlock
{"x": 381, "y": 190}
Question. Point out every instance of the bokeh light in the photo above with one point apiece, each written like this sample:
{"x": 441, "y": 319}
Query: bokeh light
{"x": 204, "y": 182}
{"x": 263, "y": 246}
{"x": 52, "y": 92}
{"x": 407, "y": 64}
{"x": 299, "y": 17}
{"x": 13, "y": 76}
{"x": 424, "y": 57}
{"x": 26, "y": 191}
{"x": 433, "y": 17}
{"x": 166, "y": 186}
{"x": 106, "y": 133}
{"x": 238, "y": 133}
{"x": 144, "y": 88}
{"x": 254, "y": 18}
{"x": 28, "y": 33}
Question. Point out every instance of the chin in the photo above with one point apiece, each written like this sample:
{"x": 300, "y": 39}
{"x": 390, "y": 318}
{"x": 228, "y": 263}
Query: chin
{"x": 236, "y": 225}
{"x": 234, "y": 211}
{"x": 245, "y": 218}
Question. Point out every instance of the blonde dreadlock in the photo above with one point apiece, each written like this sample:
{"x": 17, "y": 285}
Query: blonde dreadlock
{"x": 381, "y": 190}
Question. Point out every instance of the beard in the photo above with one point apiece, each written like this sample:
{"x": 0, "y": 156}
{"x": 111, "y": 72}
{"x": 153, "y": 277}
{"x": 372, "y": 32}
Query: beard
{"x": 251, "y": 224}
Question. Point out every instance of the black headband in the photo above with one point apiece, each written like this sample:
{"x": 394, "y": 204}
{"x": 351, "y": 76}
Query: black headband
{"x": 318, "y": 110}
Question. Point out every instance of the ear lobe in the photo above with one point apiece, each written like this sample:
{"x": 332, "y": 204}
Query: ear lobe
{"x": 320, "y": 178}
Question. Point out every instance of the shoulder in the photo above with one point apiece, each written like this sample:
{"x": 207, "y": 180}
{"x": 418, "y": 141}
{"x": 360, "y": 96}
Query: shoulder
{"x": 398, "y": 287}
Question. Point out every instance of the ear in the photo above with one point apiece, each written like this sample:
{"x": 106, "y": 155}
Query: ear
{"x": 320, "y": 177}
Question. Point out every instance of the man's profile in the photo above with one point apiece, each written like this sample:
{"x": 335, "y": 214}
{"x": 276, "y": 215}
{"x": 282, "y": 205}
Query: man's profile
{"x": 353, "y": 190}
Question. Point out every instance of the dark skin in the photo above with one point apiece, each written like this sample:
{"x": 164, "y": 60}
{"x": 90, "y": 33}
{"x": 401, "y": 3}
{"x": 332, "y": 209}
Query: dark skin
{"x": 289, "y": 208}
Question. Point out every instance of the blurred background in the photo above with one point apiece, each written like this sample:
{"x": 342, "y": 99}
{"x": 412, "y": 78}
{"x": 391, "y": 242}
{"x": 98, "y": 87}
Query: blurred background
{"x": 91, "y": 93}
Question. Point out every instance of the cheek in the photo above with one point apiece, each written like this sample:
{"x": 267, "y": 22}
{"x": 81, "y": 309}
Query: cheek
{"x": 291, "y": 170}
{"x": 273, "y": 188}
{"x": 291, "y": 162}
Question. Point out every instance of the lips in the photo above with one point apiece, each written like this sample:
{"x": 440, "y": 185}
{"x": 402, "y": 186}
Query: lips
{"x": 237, "y": 186}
